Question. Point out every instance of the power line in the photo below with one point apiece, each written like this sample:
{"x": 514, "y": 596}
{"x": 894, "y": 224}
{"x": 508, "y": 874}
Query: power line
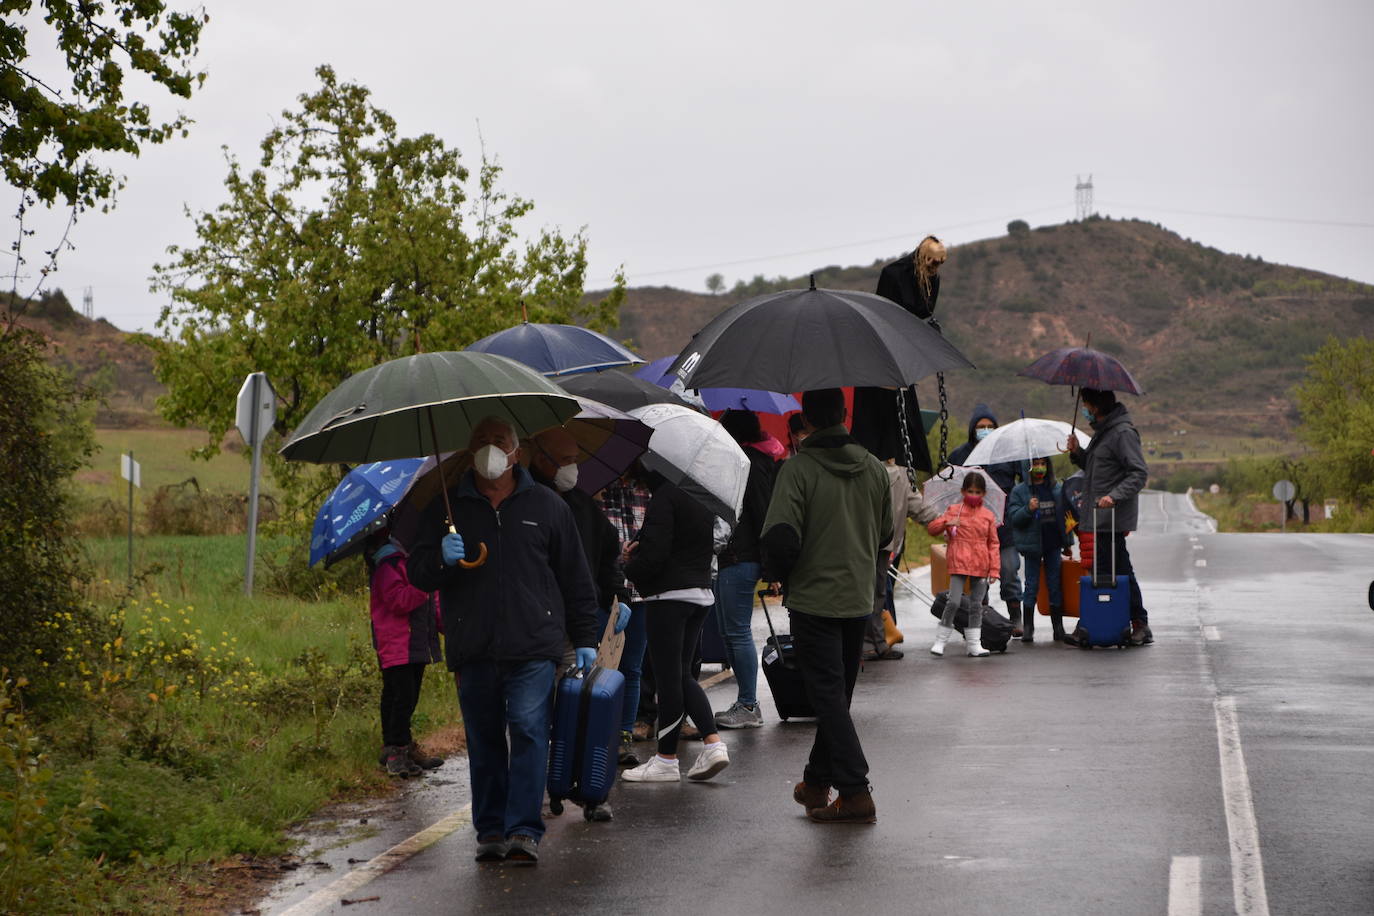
{"x": 639, "y": 275}
{"x": 1248, "y": 216}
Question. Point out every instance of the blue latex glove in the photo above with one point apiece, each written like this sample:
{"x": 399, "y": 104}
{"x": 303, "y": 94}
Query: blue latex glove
{"x": 452, "y": 546}
{"x": 622, "y": 620}
{"x": 585, "y": 658}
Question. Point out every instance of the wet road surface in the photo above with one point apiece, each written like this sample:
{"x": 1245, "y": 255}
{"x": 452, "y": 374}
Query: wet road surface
{"x": 1227, "y": 768}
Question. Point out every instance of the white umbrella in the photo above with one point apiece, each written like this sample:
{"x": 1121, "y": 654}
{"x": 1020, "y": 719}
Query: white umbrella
{"x": 696, "y": 453}
{"x": 1023, "y": 440}
{"x": 941, "y": 491}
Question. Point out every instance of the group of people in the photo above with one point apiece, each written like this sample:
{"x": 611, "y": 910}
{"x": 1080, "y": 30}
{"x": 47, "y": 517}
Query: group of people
{"x": 824, "y": 518}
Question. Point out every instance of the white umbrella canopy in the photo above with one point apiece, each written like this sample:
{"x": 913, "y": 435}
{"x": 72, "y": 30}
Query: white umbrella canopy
{"x": 1024, "y": 439}
{"x": 696, "y": 453}
{"x": 941, "y": 491}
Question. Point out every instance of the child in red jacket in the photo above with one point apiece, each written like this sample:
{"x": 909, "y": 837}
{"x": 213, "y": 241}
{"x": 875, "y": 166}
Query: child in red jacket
{"x": 405, "y": 633}
{"x": 974, "y": 555}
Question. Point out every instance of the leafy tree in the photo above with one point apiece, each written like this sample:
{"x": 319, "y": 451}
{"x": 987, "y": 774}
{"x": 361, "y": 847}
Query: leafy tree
{"x": 1018, "y": 227}
{"x": 56, "y": 128}
{"x": 348, "y": 245}
{"x": 1337, "y": 405}
{"x": 715, "y": 283}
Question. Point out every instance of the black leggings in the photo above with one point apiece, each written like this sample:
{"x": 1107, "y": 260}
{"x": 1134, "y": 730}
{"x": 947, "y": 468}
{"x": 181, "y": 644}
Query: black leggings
{"x": 674, "y": 628}
{"x": 400, "y": 694}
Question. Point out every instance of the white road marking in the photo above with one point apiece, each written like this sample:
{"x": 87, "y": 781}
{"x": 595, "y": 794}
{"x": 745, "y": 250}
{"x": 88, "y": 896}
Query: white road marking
{"x": 1192, "y": 538}
{"x": 1197, "y": 547}
{"x": 1211, "y": 633}
{"x": 326, "y": 897}
{"x": 1199, "y": 562}
{"x": 1247, "y": 866}
{"x": 1185, "y": 886}
{"x": 1165, "y": 511}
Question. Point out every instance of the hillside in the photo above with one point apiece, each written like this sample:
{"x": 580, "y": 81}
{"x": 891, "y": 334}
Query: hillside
{"x": 1217, "y": 340}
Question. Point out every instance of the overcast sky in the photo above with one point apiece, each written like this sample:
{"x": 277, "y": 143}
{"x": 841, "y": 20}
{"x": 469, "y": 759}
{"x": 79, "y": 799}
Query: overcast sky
{"x": 753, "y": 137}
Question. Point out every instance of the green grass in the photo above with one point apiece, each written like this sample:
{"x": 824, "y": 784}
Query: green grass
{"x": 163, "y": 454}
{"x": 206, "y": 722}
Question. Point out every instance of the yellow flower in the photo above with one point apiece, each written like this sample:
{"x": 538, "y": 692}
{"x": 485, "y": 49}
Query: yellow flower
{"x": 153, "y": 697}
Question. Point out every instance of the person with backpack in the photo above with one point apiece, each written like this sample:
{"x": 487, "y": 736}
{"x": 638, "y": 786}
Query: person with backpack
{"x": 405, "y": 633}
{"x": 1036, "y": 514}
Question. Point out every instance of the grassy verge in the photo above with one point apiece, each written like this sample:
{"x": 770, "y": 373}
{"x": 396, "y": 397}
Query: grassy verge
{"x": 196, "y": 724}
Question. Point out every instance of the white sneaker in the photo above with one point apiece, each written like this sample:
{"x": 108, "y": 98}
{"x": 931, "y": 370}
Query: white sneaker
{"x": 710, "y": 762}
{"x": 656, "y": 770}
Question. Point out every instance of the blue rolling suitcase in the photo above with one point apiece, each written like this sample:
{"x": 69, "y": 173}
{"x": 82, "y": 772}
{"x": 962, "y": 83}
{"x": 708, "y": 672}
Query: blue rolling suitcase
{"x": 1104, "y": 603}
{"x": 586, "y": 737}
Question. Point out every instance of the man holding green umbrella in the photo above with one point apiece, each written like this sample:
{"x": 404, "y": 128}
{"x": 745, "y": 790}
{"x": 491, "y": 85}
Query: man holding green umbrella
{"x": 506, "y": 621}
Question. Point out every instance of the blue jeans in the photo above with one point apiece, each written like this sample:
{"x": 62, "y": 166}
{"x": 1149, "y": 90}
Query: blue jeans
{"x": 735, "y": 607}
{"x": 631, "y": 660}
{"x": 507, "y": 785}
{"x": 1010, "y": 574}
{"x": 1052, "y": 563}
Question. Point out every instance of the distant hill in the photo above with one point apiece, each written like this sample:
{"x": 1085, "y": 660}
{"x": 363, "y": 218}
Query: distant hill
{"x": 1217, "y": 340}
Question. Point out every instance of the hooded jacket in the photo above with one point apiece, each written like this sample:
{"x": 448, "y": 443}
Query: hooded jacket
{"x": 405, "y": 619}
{"x": 1113, "y": 465}
{"x": 1026, "y": 525}
{"x": 535, "y": 590}
{"x": 675, "y": 545}
{"x": 831, "y": 513}
{"x": 600, "y": 542}
{"x": 1004, "y": 475}
{"x": 974, "y": 549}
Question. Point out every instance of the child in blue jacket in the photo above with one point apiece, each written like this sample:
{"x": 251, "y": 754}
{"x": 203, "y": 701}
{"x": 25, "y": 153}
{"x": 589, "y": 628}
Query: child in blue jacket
{"x": 1036, "y": 515}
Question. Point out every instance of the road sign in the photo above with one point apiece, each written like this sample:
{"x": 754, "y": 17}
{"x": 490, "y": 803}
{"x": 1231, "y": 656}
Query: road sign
{"x": 130, "y": 470}
{"x": 1284, "y": 491}
{"x": 257, "y": 409}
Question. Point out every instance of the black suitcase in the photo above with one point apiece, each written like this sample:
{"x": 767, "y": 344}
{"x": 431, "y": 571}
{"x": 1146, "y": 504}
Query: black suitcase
{"x": 996, "y": 633}
{"x": 783, "y": 672}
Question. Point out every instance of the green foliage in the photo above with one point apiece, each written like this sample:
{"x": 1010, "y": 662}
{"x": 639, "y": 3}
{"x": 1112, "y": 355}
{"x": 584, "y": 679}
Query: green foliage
{"x": 349, "y": 245}
{"x": 1337, "y": 406}
{"x": 715, "y": 283}
{"x": 1018, "y": 227}
{"x": 41, "y": 866}
{"x": 44, "y": 437}
{"x": 53, "y": 126}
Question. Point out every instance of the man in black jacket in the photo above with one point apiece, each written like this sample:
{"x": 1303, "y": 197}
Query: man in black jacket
{"x": 515, "y": 585}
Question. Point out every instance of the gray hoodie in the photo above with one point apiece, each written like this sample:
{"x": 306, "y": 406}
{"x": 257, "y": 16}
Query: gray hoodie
{"x": 1113, "y": 465}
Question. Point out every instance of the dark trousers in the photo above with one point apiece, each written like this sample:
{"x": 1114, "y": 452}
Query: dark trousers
{"x": 674, "y": 630}
{"x": 1117, "y": 544}
{"x": 829, "y": 650}
{"x": 400, "y": 694}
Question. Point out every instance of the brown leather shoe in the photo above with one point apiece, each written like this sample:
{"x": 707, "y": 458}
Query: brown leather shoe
{"x": 809, "y": 796}
{"x": 847, "y": 809}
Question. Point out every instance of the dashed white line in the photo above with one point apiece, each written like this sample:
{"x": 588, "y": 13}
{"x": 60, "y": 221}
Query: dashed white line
{"x": 1247, "y": 865}
{"x": 1185, "y": 886}
{"x": 327, "y": 897}
{"x": 1212, "y": 634}
{"x": 1199, "y": 562}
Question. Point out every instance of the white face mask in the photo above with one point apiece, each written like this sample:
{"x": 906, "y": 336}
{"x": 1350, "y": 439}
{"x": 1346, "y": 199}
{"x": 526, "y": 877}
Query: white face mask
{"x": 491, "y": 462}
{"x": 566, "y": 478}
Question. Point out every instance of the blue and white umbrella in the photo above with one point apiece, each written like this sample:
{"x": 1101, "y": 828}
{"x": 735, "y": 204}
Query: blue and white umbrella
{"x": 358, "y": 506}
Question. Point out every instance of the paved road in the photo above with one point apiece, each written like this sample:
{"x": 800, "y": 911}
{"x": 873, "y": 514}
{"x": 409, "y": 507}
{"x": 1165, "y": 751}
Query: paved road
{"x": 1227, "y": 768}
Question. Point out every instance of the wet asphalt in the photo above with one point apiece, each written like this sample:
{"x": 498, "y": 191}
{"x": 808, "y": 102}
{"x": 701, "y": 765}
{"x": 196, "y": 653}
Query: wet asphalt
{"x": 1046, "y": 780}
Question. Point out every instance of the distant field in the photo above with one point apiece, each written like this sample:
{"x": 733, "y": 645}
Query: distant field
{"x": 164, "y": 456}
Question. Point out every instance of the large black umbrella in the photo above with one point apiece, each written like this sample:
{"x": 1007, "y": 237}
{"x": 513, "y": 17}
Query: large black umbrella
{"x": 618, "y": 389}
{"x": 798, "y": 340}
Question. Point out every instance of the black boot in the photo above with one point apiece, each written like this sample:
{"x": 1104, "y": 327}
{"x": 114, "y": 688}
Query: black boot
{"x": 1014, "y": 612}
{"x": 1057, "y": 624}
{"x": 1028, "y": 625}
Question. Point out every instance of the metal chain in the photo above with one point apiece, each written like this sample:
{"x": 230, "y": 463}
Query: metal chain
{"x": 944, "y": 418}
{"x": 908, "y": 452}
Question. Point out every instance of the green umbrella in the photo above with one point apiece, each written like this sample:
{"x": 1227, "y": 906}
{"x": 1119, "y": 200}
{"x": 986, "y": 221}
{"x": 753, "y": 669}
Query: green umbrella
{"x": 419, "y": 405}
{"x": 426, "y": 404}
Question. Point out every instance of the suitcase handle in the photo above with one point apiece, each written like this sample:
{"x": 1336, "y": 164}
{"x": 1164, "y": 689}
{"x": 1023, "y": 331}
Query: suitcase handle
{"x": 763, "y": 600}
{"x": 1097, "y": 582}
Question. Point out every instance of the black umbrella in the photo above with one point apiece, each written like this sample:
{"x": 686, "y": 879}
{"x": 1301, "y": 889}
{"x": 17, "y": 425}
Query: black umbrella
{"x": 618, "y": 389}
{"x": 798, "y": 340}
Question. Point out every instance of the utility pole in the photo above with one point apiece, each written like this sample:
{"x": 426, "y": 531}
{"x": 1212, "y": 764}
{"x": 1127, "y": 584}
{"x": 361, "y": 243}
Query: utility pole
{"x": 88, "y": 303}
{"x": 1083, "y": 198}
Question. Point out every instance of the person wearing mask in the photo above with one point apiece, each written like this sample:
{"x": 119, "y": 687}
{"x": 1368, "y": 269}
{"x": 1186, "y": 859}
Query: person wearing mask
{"x": 405, "y": 633}
{"x": 1114, "y": 473}
{"x": 739, "y": 569}
{"x": 973, "y": 559}
{"x": 981, "y": 424}
{"x": 1036, "y": 513}
{"x": 670, "y": 565}
{"x": 830, "y": 516}
{"x": 507, "y": 619}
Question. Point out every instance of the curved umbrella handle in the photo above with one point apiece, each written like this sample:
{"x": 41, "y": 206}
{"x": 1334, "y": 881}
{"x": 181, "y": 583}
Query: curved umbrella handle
{"x": 481, "y": 557}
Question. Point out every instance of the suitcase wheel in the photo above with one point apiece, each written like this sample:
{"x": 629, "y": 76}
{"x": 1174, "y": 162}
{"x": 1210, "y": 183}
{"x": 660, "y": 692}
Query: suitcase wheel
{"x": 1084, "y": 640}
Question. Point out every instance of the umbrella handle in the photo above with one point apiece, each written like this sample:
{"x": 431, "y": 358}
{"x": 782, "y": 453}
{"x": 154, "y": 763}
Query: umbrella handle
{"x": 481, "y": 555}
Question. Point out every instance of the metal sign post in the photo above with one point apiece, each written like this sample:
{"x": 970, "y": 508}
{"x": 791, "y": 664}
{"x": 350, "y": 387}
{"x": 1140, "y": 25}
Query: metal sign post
{"x": 1283, "y": 492}
{"x": 257, "y": 411}
{"x": 129, "y": 469}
